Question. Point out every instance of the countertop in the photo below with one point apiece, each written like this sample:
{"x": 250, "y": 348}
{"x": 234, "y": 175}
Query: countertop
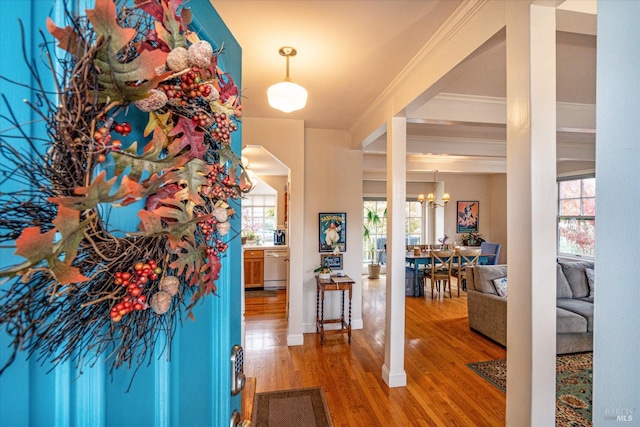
{"x": 265, "y": 247}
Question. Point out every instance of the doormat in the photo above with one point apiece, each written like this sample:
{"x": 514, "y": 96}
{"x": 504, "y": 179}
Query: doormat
{"x": 574, "y": 382}
{"x": 255, "y": 294}
{"x": 291, "y": 408}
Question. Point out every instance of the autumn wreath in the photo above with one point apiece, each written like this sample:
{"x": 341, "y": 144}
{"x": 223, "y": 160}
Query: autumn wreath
{"x": 81, "y": 290}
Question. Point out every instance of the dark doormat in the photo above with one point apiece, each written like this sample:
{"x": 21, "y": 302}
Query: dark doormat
{"x": 291, "y": 408}
{"x": 261, "y": 293}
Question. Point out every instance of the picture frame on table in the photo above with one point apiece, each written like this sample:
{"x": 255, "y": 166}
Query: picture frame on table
{"x": 333, "y": 231}
{"x": 467, "y": 216}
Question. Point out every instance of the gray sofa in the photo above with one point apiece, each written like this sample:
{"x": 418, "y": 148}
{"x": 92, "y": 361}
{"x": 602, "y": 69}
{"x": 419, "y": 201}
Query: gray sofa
{"x": 574, "y": 309}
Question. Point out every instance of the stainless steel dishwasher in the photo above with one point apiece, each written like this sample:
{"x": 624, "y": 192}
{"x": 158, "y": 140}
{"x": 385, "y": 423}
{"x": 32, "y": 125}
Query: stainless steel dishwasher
{"x": 276, "y": 263}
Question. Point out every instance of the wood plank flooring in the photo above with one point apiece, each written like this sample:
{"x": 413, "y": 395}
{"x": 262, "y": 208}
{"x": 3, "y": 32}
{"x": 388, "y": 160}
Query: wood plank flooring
{"x": 440, "y": 391}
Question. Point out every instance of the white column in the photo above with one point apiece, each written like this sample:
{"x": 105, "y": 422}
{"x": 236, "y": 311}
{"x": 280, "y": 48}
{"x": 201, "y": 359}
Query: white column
{"x": 531, "y": 210}
{"x": 393, "y": 369}
{"x": 616, "y": 389}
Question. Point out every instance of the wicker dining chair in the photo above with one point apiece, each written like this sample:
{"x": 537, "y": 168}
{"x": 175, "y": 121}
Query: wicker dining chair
{"x": 439, "y": 271}
{"x": 466, "y": 258}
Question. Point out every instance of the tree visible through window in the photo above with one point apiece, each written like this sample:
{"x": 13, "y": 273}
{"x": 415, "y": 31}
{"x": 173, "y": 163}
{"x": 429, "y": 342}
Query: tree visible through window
{"x": 577, "y": 216}
{"x": 414, "y": 224}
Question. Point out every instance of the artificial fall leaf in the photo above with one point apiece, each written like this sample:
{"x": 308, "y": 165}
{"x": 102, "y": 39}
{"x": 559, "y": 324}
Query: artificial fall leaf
{"x": 212, "y": 274}
{"x": 191, "y": 176}
{"x": 122, "y": 82}
{"x": 65, "y": 273}
{"x": 191, "y": 137}
{"x": 156, "y": 121}
{"x": 150, "y": 223}
{"x": 67, "y": 222}
{"x": 166, "y": 192}
{"x": 34, "y": 245}
{"x": 181, "y": 226}
{"x": 149, "y": 162}
{"x": 188, "y": 263}
{"x": 68, "y": 39}
{"x": 97, "y": 192}
{"x": 175, "y": 37}
{"x": 227, "y": 155}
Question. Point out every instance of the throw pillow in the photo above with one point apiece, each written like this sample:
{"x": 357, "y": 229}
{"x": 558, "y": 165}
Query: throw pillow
{"x": 591, "y": 279}
{"x": 501, "y": 286}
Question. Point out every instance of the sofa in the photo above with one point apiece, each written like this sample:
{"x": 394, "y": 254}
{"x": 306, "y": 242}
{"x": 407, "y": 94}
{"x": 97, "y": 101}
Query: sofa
{"x": 487, "y": 290}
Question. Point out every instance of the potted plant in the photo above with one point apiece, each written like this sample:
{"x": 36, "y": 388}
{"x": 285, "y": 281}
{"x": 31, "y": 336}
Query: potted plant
{"x": 323, "y": 272}
{"x": 371, "y": 226}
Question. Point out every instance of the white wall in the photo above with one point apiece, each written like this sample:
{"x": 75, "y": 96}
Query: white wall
{"x": 279, "y": 184}
{"x": 333, "y": 184}
{"x": 285, "y": 140}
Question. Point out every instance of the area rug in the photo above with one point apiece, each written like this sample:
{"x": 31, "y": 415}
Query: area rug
{"x": 574, "y": 382}
{"x": 291, "y": 408}
{"x": 261, "y": 293}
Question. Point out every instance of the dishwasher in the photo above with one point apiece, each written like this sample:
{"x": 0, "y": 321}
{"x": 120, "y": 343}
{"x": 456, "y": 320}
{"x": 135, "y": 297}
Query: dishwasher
{"x": 276, "y": 264}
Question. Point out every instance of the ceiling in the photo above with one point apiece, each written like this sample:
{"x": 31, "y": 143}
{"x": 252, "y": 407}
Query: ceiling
{"x": 350, "y": 51}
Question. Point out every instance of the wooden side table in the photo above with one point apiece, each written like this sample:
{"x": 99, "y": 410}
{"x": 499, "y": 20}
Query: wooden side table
{"x": 335, "y": 283}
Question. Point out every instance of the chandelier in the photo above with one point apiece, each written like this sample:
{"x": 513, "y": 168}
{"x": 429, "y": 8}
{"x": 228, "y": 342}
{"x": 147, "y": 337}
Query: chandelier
{"x": 431, "y": 197}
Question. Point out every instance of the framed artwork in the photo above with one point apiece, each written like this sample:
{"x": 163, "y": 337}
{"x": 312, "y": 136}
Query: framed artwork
{"x": 333, "y": 232}
{"x": 333, "y": 261}
{"x": 468, "y": 216}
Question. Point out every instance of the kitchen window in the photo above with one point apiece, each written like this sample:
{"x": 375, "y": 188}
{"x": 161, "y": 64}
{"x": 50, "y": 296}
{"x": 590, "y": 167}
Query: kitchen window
{"x": 577, "y": 216}
{"x": 259, "y": 217}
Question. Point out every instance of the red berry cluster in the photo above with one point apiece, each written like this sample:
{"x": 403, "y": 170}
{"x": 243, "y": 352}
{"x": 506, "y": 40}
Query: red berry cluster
{"x": 201, "y": 119}
{"x": 123, "y": 128}
{"x": 191, "y": 86}
{"x": 226, "y": 188}
{"x": 208, "y": 226}
{"x": 224, "y": 127}
{"x": 219, "y": 247}
{"x": 134, "y": 299}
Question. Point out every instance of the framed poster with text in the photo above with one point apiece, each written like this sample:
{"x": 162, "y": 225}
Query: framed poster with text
{"x": 468, "y": 216}
{"x": 333, "y": 231}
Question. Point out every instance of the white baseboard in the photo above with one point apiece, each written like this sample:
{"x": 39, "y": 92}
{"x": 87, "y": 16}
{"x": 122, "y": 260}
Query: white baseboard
{"x": 398, "y": 379}
{"x": 295, "y": 339}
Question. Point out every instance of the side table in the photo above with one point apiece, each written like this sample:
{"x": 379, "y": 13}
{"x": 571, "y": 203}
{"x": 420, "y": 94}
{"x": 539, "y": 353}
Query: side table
{"x": 335, "y": 283}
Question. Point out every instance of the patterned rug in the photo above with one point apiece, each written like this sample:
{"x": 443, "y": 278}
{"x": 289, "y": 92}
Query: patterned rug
{"x": 303, "y": 407}
{"x": 574, "y": 382}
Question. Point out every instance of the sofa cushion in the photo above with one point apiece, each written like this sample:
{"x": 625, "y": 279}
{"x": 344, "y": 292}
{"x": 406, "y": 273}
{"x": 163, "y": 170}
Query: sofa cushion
{"x": 582, "y": 308}
{"x": 563, "y": 290}
{"x": 568, "y": 322}
{"x": 501, "y": 286}
{"x": 574, "y": 272}
{"x": 483, "y": 277}
{"x": 591, "y": 280}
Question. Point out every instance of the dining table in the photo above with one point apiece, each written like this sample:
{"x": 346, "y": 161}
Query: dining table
{"x": 425, "y": 258}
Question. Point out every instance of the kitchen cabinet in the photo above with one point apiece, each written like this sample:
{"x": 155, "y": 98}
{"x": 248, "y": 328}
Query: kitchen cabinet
{"x": 253, "y": 268}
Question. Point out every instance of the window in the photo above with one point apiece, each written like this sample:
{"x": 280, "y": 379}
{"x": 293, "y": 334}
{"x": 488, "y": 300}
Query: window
{"x": 259, "y": 217}
{"x": 413, "y": 227}
{"x": 577, "y": 216}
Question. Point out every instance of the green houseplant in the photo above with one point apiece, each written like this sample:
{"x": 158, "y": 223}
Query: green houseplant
{"x": 371, "y": 227}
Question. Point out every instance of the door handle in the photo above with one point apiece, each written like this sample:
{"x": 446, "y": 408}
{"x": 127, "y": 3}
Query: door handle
{"x": 237, "y": 370}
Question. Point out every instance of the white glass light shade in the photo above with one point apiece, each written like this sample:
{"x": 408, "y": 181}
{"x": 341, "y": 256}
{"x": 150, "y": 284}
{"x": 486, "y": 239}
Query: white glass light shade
{"x": 445, "y": 198}
{"x": 287, "y": 96}
{"x": 431, "y": 197}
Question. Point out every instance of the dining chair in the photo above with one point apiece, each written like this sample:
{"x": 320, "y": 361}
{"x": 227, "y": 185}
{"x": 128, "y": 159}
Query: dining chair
{"x": 439, "y": 271}
{"x": 466, "y": 258}
{"x": 492, "y": 250}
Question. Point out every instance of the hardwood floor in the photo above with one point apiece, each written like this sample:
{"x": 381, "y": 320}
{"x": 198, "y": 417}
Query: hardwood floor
{"x": 440, "y": 391}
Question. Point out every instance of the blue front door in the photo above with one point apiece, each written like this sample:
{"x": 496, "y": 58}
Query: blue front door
{"x": 194, "y": 387}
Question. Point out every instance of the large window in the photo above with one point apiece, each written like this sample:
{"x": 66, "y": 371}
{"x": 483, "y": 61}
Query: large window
{"x": 577, "y": 216}
{"x": 259, "y": 217}
{"x": 413, "y": 227}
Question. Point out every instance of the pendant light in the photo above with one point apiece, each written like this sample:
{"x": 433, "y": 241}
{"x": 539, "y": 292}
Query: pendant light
{"x": 287, "y": 96}
{"x": 431, "y": 197}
